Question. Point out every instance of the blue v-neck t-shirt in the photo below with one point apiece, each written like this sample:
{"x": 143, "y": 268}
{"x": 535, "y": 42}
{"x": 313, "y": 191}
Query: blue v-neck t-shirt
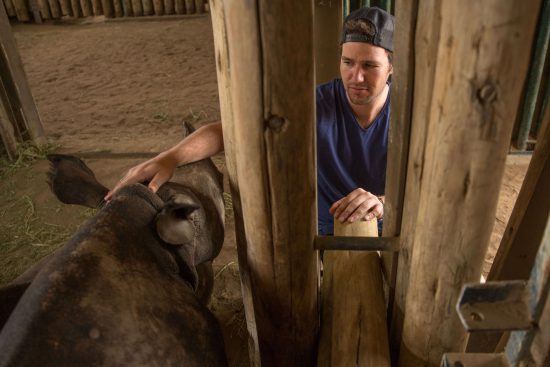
{"x": 348, "y": 156}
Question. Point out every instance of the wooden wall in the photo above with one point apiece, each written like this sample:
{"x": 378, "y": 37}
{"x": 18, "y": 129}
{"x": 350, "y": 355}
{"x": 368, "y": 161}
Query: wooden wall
{"x": 38, "y": 10}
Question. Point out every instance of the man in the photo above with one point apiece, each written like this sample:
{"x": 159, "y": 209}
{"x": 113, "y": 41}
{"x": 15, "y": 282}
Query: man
{"x": 352, "y": 128}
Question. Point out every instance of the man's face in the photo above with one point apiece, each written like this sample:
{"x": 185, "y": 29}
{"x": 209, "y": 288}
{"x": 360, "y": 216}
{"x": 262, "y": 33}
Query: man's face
{"x": 364, "y": 69}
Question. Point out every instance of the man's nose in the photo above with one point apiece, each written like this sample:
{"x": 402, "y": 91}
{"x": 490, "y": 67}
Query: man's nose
{"x": 358, "y": 75}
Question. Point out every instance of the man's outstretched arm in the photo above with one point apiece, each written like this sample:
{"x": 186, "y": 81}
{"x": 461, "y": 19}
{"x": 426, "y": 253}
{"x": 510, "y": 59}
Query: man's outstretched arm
{"x": 203, "y": 143}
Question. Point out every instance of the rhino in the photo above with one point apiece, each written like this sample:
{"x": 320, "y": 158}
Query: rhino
{"x": 131, "y": 287}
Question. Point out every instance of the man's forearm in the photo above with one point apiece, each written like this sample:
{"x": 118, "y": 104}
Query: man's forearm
{"x": 203, "y": 143}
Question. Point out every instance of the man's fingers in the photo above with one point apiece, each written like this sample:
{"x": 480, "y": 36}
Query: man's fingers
{"x": 345, "y": 202}
{"x": 158, "y": 180}
{"x": 335, "y": 206}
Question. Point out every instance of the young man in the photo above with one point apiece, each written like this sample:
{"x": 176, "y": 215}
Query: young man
{"x": 352, "y": 128}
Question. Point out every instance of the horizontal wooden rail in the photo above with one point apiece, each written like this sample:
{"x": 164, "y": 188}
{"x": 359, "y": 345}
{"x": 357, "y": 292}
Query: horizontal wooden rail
{"x": 356, "y": 243}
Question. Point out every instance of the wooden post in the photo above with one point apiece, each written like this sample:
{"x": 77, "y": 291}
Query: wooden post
{"x": 55, "y": 9}
{"x": 127, "y": 8}
{"x": 75, "y": 7}
{"x": 21, "y": 10}
{"x": 353, "y": 323}
{"x": 107, "y": 7}
{"x": 519, "y": 245}
{"x": 476, "y": 75}
{"x": 199, "y": 6}
{"x": 137, "y": 7}
{"x": 190, "y": 6}
{"x": 44, "y": 9}
{"x": 169, "y": 7}
{"x": 328, "y": 27}
{"x": 117, "y": 8}
{"x": 66, "y": 7}
{"x": 86, "y": 7}
{"x": 8, "y": 135}
{"x": 158, "y": 6}
{"x": 14, "y": 82}
{"x": 147, "y": 7}
{"x": 10, "y": 10}
{"x": 179, "y": 6}
{"x": 273, "y": 123}
{"x": 398, "y": 158}
{"x": 97, "y": 8}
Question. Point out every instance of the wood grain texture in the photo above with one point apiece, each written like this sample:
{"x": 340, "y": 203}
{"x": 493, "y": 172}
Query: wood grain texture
{"x": 398, "y": 152}
{"x": 273, "y": 123}
{"x": 75, "y": 9}
{"x": 328, "y": 27}
{"x": 480, "y": 63}
{"x": 169, "y": 7}
{"x": 179, "y": 6}
{"x": 127, "y": 9}
{"x": 199, "y": 6}
{"x": 117, "y": 8}
{"x": 97, "y": 9}
{"x": 158, "y": 7}
{"x": 147, "y": 7}
{"x": 10, "y": 10}
{"x": 190, "y": 6}
{"x": 44, "y": 9}
{"x": 137, "y": 8}
{"x": 218, "y": 15}
{"x": 353, "y": 323}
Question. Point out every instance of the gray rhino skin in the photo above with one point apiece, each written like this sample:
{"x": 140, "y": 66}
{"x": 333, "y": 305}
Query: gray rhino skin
{"x": 117, "y": 294}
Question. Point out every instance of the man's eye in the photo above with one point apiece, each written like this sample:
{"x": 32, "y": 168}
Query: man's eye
{"x": 347, "y": 62}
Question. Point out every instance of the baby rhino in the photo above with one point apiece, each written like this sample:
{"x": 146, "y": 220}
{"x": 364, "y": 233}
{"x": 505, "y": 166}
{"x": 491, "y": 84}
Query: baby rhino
{"x": 130, "y": 287}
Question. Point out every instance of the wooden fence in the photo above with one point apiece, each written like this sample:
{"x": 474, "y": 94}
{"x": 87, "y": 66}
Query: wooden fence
{"x": 38, "y": 10}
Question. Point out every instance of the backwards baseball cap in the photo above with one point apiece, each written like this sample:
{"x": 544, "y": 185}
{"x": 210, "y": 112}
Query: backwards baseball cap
{"x": 379, "y": 30}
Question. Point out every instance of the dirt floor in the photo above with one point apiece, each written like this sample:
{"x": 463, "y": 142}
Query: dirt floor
{"x": 125, "y": 87}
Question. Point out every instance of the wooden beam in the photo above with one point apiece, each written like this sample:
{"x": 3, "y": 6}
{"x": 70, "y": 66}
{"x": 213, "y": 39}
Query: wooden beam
{"x": 8, "y": 135}
{"x": 327, "y": 30}
{"x": 353, "y": 323}
{"x": 21, "y": 10}
{"x": 272, "y": 124}
{"x": 519, "y": 245}
{"x": 15, "y": 84}
{"x": 480, "y": 63}
{"x": 398, "y": 151}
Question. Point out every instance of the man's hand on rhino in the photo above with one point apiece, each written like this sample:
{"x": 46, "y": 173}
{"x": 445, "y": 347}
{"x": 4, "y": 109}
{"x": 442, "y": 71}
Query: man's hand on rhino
{"x": 158, "y": 170}
{"x": 357, "y": 205}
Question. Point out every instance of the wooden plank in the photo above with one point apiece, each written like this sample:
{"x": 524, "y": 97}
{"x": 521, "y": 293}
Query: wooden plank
{"x": 218, "y": 15}
{"x": 137, "y": 7}
{"x": 127, "y": 8}
{"x": 10, "y": 10}
{"x": 147, "y": 7}
{"x": 117, "y": 8}
{"x": 398, "y": 151}
{"x": 179, "y": 6}
{"x": 519, "y": 245}
{"x": 328, "y": 27}
{"x": 34, "y": 8}
{"x": 14, "y": 81}
{"x": 66, "y": 7}
{"x": 273, "y": 121}
{"x": 169, "y": 7}
{"x": 75, "y": 8}
{"x": 21, "y": 10}
{"x": 353, "y": 323}
{"x": 86, "y": 7}
{"x": 97, "y": 8}
{"x": 158, "y": 6}
{"x": 189, "y": 6}
{"x": 476, "y": 75}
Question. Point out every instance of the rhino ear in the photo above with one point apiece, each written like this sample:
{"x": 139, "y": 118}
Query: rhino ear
{"x": 174, "y": 225}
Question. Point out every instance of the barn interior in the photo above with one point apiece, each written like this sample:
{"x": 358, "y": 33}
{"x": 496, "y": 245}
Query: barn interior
{"x": 112, "y": 82}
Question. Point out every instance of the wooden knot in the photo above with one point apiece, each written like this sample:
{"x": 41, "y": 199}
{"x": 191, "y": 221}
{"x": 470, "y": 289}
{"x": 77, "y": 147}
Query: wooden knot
{"x": 487, "y": 93}
{"x": 276, "y": 123}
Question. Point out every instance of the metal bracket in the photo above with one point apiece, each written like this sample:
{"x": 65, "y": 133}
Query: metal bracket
{"x": 495, "y": 306}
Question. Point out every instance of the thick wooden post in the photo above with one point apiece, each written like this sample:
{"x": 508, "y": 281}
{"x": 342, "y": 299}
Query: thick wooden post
{"x": 260, "y": 51}
{"x": 353, "y": 323}
{"x": 481, "y": 56}
{"x": 328, "y": 27}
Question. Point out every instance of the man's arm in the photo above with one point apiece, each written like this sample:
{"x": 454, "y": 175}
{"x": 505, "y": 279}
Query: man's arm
{"x": 203, "y": 143}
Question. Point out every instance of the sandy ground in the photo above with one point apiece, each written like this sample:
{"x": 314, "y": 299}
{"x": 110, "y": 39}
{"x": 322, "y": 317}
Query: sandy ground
{"x": 110, "y": 88}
